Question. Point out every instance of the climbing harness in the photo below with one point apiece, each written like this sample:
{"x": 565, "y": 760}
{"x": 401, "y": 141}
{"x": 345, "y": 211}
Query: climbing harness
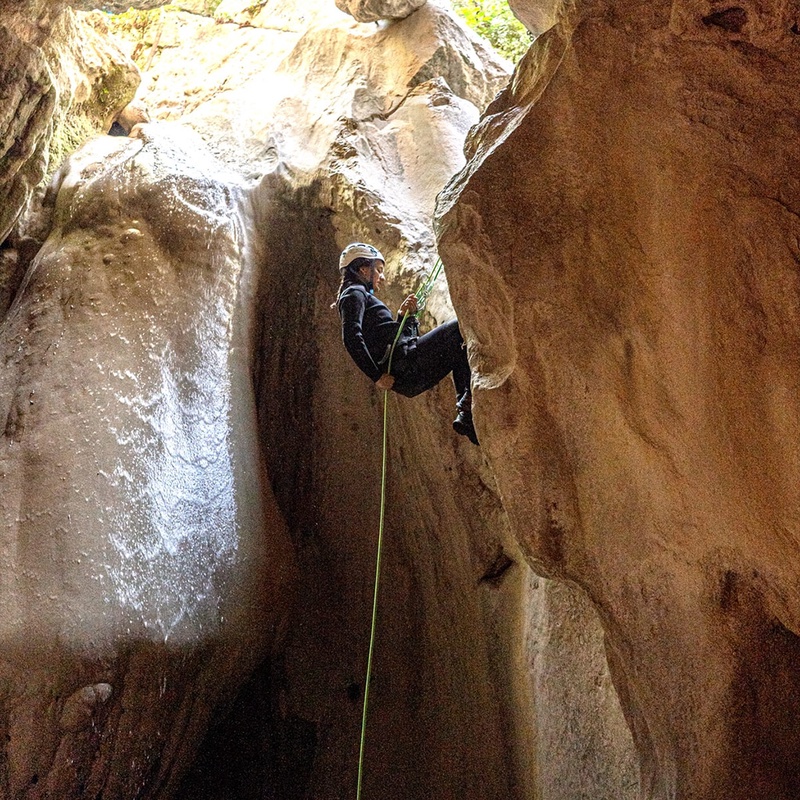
{"x": 422, "y": 295}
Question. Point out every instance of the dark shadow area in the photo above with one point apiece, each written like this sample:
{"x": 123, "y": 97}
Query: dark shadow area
{"x": 15, "y": 258}
{"x": 255, "y": 753}
{"x": 732, "y": 20}
{"x": 262, "y": 750}
{"x": 299, "y": 240}
{"x": 765, "y": 697}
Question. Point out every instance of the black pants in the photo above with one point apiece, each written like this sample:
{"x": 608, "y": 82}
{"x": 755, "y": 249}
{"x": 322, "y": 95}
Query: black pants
{"x": 437, "y": 353}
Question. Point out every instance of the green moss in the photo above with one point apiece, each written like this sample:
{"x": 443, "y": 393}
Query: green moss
{"x": 80, "y": 122}
{"x": 114, "y": 91}
{"x": 255, "y": 7}
{"x": 493, "y": 20}
{"x": 140, "y": 27}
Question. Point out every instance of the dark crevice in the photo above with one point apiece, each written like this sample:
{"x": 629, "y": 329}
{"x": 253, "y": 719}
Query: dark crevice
{"x": 732, "y": 20}
{"x": 354, "y": 692}
{"x": 497, "y": 569}
{"x": 728, "y": 590}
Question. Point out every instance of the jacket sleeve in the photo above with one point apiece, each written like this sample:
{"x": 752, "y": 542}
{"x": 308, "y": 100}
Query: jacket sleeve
{"x": 351, "y": 309}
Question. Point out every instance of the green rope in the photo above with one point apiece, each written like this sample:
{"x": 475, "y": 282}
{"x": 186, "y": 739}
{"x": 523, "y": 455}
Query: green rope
{"x": 422, "y": 297}
{"x": 375, "y": 596}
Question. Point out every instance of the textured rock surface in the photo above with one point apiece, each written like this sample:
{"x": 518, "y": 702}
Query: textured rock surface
{"x": 116, "y": 6}
{"x": 342, "y": 131}
{"x": 373, "y": 10}
{"x": 538, "y": 15}
{"x": 145, "y": 566}
{"x": 279, "y": 85}
{"x": 337, "y": 135}
{"x": 63, "y": 81}
{"x": 623, "y": 253}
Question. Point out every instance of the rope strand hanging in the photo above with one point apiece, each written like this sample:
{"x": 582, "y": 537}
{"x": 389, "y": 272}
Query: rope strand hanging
{"x": 422, "y": 295}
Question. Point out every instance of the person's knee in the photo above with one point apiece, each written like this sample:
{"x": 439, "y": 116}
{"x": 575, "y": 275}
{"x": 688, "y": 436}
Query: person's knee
{"x": 453, "y": 331}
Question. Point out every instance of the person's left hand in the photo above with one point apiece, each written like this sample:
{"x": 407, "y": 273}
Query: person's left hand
{"x": 409, "y": 304}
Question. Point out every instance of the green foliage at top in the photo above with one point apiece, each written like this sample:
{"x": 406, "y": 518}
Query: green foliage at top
{"x": 493, "y": 20}
{"x": 140, "y": 27}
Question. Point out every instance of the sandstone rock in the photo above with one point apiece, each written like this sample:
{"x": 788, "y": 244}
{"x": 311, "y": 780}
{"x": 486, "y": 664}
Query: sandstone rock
{"x": 24, "y": 119}
{"x": 538, "y": 15}
{"x": 95, "y": 80}
{"x": 356, "y": 146}
{"x": 308, "y": 68}
{"x": 157, "y": 268}
{"x": 117, "y": 6}
{"x": 144, "y": 551}
{"x": 374, "y": 10}
{"x": 11, "y": 273}
{"x": 65, "y": 83}
{"x": 79, "y": 709}
{"x": 622, "y": 249}
{"x": 134, "y": 113}
{"x": 205, "y": 7}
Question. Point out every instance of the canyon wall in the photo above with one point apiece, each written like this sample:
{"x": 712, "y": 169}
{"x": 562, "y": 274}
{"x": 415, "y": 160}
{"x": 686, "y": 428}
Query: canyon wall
{"x": 622, "y": 251}
{"x": 347, "y": 131}
{"x": 146, "y": 570}
{"x": 63, "y": 80}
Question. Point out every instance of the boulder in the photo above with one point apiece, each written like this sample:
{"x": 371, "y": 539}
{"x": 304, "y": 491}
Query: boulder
{"x": 374, "y": 10}
{"x": 538, "y": 15}
{"x": 622, "y": 252}
{"x": 135, "y": 113}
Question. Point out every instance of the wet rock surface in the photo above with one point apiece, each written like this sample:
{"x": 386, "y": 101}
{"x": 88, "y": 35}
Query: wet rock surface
{"x": 624, "y": 256}
{"x": 143, "y": 555}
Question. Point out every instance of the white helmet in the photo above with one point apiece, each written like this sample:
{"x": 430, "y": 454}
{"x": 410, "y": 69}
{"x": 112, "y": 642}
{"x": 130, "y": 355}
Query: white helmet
{"x": 358, "y": 250}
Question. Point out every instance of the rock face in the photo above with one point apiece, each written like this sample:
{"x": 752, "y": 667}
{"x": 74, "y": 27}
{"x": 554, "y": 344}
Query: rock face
{"x": 64, "y": 80}
{"x": 354, "y": 131}
{"x": 145, "y": 567}
{"x": 130, "y": 415}
{"x": 623, "y": 255}
{"x": 538, "y": 15}
{"x": 172, "y": 347}
{"x": 115, "y": 6}
{"x": 373, "y": 10}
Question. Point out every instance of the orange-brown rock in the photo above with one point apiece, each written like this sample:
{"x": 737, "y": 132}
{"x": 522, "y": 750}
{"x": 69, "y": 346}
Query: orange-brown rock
{"x": 623, "y": 253}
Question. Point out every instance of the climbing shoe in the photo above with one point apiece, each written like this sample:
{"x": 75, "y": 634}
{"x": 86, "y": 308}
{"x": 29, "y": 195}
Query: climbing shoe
{"x": 463, "y": 426}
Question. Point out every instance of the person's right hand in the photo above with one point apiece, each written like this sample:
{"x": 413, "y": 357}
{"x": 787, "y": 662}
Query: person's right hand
{"x": 409, "y": 304}
{"x": 385, "y": 382}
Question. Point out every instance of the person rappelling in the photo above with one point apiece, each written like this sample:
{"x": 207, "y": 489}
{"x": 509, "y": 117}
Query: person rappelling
{"x": 389, "y": 351}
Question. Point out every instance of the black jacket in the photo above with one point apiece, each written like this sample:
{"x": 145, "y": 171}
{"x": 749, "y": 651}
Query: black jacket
{"x": 368, "y": 330}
